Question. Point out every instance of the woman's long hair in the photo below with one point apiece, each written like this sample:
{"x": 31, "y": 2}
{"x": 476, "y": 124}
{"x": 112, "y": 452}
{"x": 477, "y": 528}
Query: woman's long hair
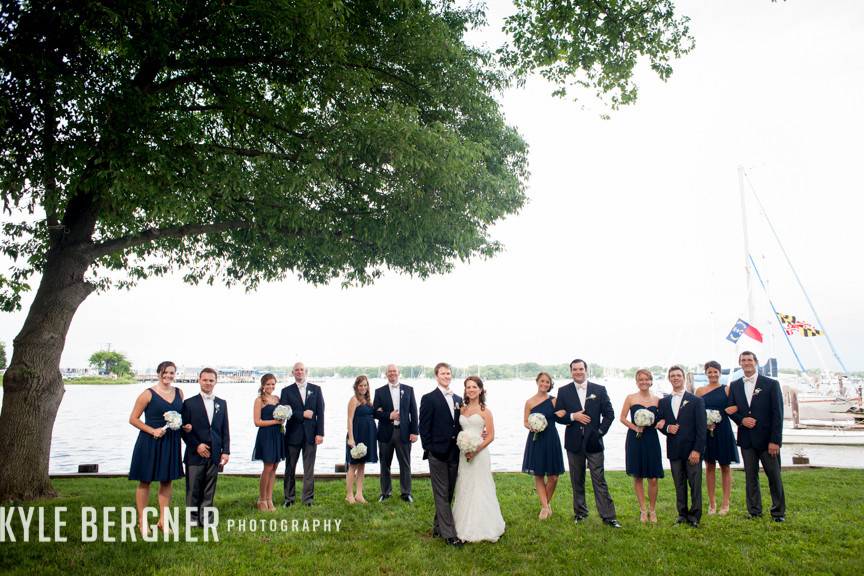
{"x": 482, "y": 398}
{"x": 367, "y": 398}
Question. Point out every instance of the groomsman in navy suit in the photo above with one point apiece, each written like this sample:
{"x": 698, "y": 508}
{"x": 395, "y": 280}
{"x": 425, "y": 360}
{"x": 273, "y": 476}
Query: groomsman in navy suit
{"x": 685, "y": 424}
{"x": 208, "y": 444}
{"x": 396, "y": 410}
{"x": 304, "y": 431}
{"x": 584, "y": 407}
{"x": 756, "y": 406}
{"x": 439, "y": 425}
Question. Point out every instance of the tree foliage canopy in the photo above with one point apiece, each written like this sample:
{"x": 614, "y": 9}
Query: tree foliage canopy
{"x": 243, "y": 140}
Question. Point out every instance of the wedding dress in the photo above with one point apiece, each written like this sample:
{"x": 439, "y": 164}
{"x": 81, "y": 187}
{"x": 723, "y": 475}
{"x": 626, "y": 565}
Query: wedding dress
{"x": 476, "y": 512}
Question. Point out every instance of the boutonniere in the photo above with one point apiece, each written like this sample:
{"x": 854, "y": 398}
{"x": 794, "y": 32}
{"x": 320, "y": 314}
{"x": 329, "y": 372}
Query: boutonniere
{"x": 756, "y": 391}
{"x": 591, "y": 397}
{"x": 401, "y": 393}
{"x": 458, "y": 405}
{"x": 310, "y": 393}
{"x": 216, "y": 407}
{"x": 684, "y": 403}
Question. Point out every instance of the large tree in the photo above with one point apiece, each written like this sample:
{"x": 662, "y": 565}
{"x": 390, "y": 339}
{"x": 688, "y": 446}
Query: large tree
{"x": 111, "y": 362}
{"x": 245, "y": 140}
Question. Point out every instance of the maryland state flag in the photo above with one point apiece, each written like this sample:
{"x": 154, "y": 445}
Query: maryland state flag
{"x": 742, "y": 327}
{"x": 794, "y": 326}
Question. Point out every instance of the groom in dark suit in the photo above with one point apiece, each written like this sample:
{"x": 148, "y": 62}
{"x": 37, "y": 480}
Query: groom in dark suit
{"x": 685, "y": 424}
{"x": 756, "y": 406}
{"x": 396, "y": 410}
{"x": 208, "y": 445}
{"x": 584, "y": 407}
{"x": 439, "y": 425}
{"x": 304, "y": 431}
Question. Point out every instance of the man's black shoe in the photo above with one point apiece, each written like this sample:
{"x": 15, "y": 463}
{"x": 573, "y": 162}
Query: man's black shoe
{"x": 383, "y": 497}
{"x": 454, "y": 542}
{"x": 288, "y": 503}
{"x": 613, "y": 523}
{"x": 408, "y": 498}
{"x": 779, "y": 518}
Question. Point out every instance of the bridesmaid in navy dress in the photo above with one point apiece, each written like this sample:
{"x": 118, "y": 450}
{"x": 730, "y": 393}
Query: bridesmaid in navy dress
{"x": 157, "y": 451}
{"x": 543, "y": 457}
{"x": 720, "y": 445}
{"x": 361, "y": 430}
{"x": 269, "y": 444}
{"x": 642, "y": 447}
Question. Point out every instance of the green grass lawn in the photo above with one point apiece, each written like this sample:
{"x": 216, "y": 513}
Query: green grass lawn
{"x": 823, "y": 534}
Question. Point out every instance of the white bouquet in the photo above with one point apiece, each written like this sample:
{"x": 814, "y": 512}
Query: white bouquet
{"x": 714, "y": 417}
{"x": 173, "y": 420}
{"x": 358, "y": 451}
{"x": 283, "y": 413}
{"x": 468, "y": 441}
{"x": 643, "y": 418}
{"x": 537, "y": 423}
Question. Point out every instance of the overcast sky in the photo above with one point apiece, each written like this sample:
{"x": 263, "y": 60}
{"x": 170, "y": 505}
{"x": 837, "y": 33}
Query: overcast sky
{"x": 630, "y": 250}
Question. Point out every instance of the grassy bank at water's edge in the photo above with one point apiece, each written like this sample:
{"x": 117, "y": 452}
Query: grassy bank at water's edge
{"x": 823, "y": 534}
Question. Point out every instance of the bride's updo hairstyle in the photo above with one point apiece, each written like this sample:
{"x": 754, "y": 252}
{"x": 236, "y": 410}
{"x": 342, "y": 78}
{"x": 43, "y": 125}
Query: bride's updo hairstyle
{"x": 482, "y": 398}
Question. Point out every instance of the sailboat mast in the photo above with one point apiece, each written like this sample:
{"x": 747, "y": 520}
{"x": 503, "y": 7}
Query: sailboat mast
{"x": 751, "y": 311}
{"x": 791, "y": 267}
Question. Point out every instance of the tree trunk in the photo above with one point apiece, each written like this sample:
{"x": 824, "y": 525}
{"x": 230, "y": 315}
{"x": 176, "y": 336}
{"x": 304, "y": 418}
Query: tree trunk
{"x": 32, "y": 385}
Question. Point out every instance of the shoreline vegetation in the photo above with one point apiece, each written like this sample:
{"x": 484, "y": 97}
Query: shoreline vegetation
{"x": 823, "y": 534}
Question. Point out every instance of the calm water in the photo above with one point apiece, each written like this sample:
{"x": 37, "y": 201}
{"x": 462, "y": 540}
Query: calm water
{"x": 92, "y": 426}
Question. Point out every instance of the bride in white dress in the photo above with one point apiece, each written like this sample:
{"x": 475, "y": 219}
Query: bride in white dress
{"x": 476, "y": 512}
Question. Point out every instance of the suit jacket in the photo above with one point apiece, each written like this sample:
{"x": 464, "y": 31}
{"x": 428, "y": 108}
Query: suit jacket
{"x": 215, "y": 434}
{"x": 692, "y": 426}
{"x": 382, "y": 406}
{"x": 766, "y": 407}
{"x": 439, "y": 426}
{"x": 299, "y": 430}
{"x": 579, "y": 438}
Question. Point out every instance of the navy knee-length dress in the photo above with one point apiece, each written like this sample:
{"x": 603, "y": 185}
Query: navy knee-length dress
{"x": 642, "y": 454}
{"x": 158, "y": 459}
{"x": 366, "y": 432}
{"x": 543, "y": 456}
{"x": 269, "y": 443}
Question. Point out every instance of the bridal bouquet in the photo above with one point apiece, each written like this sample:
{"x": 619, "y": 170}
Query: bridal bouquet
{"x": 714, "y": 417}
{"x": 358, "y": 451}
{"x": 643, "y": 418}
{"x": 173, "y": 420}
{"x": 282, "y": 413}
{"x": 468, "y": 441}
{"x": 537, "y": 423}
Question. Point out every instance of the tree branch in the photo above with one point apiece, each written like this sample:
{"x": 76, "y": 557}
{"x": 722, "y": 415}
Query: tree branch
{"x": 153, "y": 234}
{"x": 238, "y": 151}
{"x": 197, "y": 70}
